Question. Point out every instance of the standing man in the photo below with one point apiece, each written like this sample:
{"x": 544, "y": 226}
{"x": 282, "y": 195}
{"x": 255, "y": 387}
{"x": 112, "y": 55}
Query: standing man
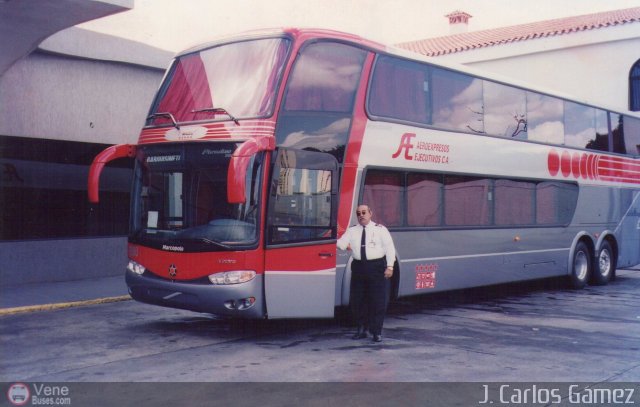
{"x": 373, "y": 257}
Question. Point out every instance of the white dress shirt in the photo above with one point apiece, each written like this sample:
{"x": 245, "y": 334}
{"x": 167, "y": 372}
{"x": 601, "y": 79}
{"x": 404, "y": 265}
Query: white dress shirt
{"x": 378, "y": 242}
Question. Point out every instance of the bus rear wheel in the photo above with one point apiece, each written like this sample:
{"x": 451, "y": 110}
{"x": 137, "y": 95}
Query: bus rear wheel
{"x": 580, "y": 266}
{"x": 604, "y": 266}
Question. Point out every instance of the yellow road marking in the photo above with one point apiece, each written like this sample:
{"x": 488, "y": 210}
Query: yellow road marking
{"x": 62, "y": 305}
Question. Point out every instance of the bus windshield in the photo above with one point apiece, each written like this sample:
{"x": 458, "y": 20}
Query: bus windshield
{"x": 226, "y": 82}
{"x": 179, "y": 199}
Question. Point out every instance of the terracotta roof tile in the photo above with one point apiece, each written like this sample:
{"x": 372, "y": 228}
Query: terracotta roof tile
{"x": 504, "y": 35}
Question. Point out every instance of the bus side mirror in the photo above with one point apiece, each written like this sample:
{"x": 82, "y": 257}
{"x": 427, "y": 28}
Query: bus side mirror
{"x": 108, "y": 154}
{"x": 239, "y": 163}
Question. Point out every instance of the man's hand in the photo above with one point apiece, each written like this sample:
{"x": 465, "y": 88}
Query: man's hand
{"x": 388, "y": 272}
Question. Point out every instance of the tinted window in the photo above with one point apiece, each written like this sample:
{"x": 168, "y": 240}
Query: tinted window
{"x": 545, "y": 118}
{"x": 617, "y": 133}
{"x": 43, "y": 190}
{"x": 457, "y": 101}
{"x": 555, "y": 203}
{"x": 600, "y": 140}
{"x": 435, "y": 200}
{"x": 504, "y": 111}
{"x": 466, "y": 201}
{"x": 383, "y": 193}
{"x": 424, "y": 199}
{"x": 320, "y": 96}
{"x": 400, "y": 90}
{"x": 418, "y": 92}
{"x": 579, "y": 124}
{"x": 514, "y": 202}
{"x": 325, "y": 78}
{"x": 632, "y": 135}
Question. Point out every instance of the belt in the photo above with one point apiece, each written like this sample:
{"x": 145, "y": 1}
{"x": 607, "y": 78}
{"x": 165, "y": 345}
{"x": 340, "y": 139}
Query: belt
{"x": 370, "y": 260}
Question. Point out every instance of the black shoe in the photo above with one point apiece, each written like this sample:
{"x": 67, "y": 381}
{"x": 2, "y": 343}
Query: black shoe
{"x": 377, "y": 338}
{"x": 361, "y": 333}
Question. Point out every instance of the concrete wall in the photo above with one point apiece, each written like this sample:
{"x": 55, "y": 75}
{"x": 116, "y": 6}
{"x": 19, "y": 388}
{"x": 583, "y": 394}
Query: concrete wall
{"x": 61, "y": 260}
{"x": 57, "y": 97}
{"x": 77, "y": 86}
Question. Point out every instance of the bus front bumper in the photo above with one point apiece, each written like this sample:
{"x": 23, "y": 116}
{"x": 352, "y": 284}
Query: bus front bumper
{"x": 233, "y": 300}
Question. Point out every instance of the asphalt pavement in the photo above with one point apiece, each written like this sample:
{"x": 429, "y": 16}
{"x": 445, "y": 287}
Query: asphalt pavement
{"x": 53, "y": 295}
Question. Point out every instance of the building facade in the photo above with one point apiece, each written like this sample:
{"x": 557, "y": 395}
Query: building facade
{"x": 61, "y": 104}
{"x": 593, "y": 58}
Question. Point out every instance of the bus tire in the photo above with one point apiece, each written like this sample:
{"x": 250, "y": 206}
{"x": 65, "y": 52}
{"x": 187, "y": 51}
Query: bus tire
{"x": 604, "y": 265}
{"x": 580, "y": 266}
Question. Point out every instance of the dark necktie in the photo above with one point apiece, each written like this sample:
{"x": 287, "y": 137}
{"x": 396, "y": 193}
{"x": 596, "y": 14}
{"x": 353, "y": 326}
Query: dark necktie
{"x": 363, "y": 245}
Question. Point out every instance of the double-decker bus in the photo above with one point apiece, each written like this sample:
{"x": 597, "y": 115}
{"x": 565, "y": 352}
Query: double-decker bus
{"x": 258, "y": 148}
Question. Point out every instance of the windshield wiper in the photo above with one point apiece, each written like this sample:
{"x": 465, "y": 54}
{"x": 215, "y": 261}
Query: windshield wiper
{"x": 213, "y": 242}
{"x": 217, "y": 110}
{"x": 167, "y": 115}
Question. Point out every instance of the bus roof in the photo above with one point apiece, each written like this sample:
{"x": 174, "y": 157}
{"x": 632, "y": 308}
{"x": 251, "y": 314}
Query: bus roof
{"x": 304, "y": 34}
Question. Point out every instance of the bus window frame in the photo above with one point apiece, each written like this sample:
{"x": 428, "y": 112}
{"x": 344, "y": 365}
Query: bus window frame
{"x": 432, "y": 66}
{"x": 404, "y": 172}
{"x": 165, "y": 82}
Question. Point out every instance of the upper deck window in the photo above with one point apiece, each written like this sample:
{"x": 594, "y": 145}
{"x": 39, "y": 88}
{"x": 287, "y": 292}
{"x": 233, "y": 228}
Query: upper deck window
{"x": 325, "y": 78}
{"x": 545, "y": 115}
{"x": 505, "y": 111}
{"x": 631, "y": 127}
{"x": 320, "y": 96}
{"x": 241, "y": 78}
{"x": 585, "y": 127}
{"x": 400, "y": 89}
{"x": 407, "y": 91}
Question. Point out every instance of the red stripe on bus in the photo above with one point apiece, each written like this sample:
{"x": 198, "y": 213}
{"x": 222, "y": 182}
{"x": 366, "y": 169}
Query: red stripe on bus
{"x": 593, "y": 166}
{"x": 352, "y": 154}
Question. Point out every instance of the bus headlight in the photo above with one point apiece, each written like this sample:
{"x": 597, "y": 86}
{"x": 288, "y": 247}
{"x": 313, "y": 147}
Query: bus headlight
{"x": 135, "y": 267}
{"x": 232, "y": 277}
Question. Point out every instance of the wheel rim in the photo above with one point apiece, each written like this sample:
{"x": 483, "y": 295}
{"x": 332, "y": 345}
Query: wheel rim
{"x": 604, "y": 263}
{"x": 581, "y": 266}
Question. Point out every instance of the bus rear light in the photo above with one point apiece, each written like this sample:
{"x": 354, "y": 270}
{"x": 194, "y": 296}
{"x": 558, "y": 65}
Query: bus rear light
{"x": 232, "y": 277}
{"x": 135, "y": 267}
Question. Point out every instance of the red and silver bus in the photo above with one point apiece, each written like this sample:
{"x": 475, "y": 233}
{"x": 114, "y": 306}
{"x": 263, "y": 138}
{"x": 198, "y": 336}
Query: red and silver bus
{"x": 258, "y": 148}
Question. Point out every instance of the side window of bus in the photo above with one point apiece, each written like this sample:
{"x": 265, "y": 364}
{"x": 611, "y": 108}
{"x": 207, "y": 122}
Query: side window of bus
{"x": 631, "y": 128}
{"x": 424, "y": 199}
{"x": 505, "y": 111}
{"x": 467, "y": 201}
{"x": 325, "y": 78}
{"x": 301, "y": 207}
{"x": 514, "y": 202}
{"x": 383, "y": 191}
{"x": 545, "y": 118}
{"x": 400, "y": 90}
{"x": 319, "y": 100}
{"x": 555, "y": 203}
{"x": 585, "y": 127}
{"x": 457, "y": 101}
{"x": 420, "y": 199}
{"x": 617, "y": 133}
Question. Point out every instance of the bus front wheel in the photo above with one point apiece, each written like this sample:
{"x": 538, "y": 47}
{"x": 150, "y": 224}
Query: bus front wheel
{"x": 604, "y": 265}
{"x": 581, "y": 266}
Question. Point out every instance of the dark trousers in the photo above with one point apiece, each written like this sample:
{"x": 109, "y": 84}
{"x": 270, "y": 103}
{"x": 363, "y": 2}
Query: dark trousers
{"x": 369, "y": 293}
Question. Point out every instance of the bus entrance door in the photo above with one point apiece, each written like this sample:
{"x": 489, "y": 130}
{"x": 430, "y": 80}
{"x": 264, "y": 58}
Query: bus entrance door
{"x": 300, "y": 256}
